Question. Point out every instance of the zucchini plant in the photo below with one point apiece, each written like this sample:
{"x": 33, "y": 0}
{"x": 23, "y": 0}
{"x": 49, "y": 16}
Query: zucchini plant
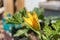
{"x": 30, "y": 21}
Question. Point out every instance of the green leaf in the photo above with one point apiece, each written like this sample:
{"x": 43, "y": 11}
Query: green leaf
{"x": 56, "y": 25}
{"x": 21, "y": 33}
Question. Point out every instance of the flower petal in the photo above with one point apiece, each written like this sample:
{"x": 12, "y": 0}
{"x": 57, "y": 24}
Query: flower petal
{"x": 35, "y": 18}
{"x": 29, "y": 15}
{"x": 28, "y": 21}
{"x": 35, "y": 25}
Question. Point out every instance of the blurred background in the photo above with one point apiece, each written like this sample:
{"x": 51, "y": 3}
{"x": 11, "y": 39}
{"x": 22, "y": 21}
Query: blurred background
{"x": 10, "y": 7}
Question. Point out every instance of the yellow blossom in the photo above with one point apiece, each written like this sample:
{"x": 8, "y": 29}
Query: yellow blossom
{"x": 32, "y": 20}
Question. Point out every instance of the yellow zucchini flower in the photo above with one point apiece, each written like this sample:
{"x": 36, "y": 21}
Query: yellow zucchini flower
{"x": 32, "y": 20}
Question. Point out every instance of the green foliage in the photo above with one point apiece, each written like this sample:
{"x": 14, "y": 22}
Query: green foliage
{"x": 17, "y": 17}
{"x": 23, "y": 12}
{"x": 49, "y": 34}
{"x": 52, "y": 34}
